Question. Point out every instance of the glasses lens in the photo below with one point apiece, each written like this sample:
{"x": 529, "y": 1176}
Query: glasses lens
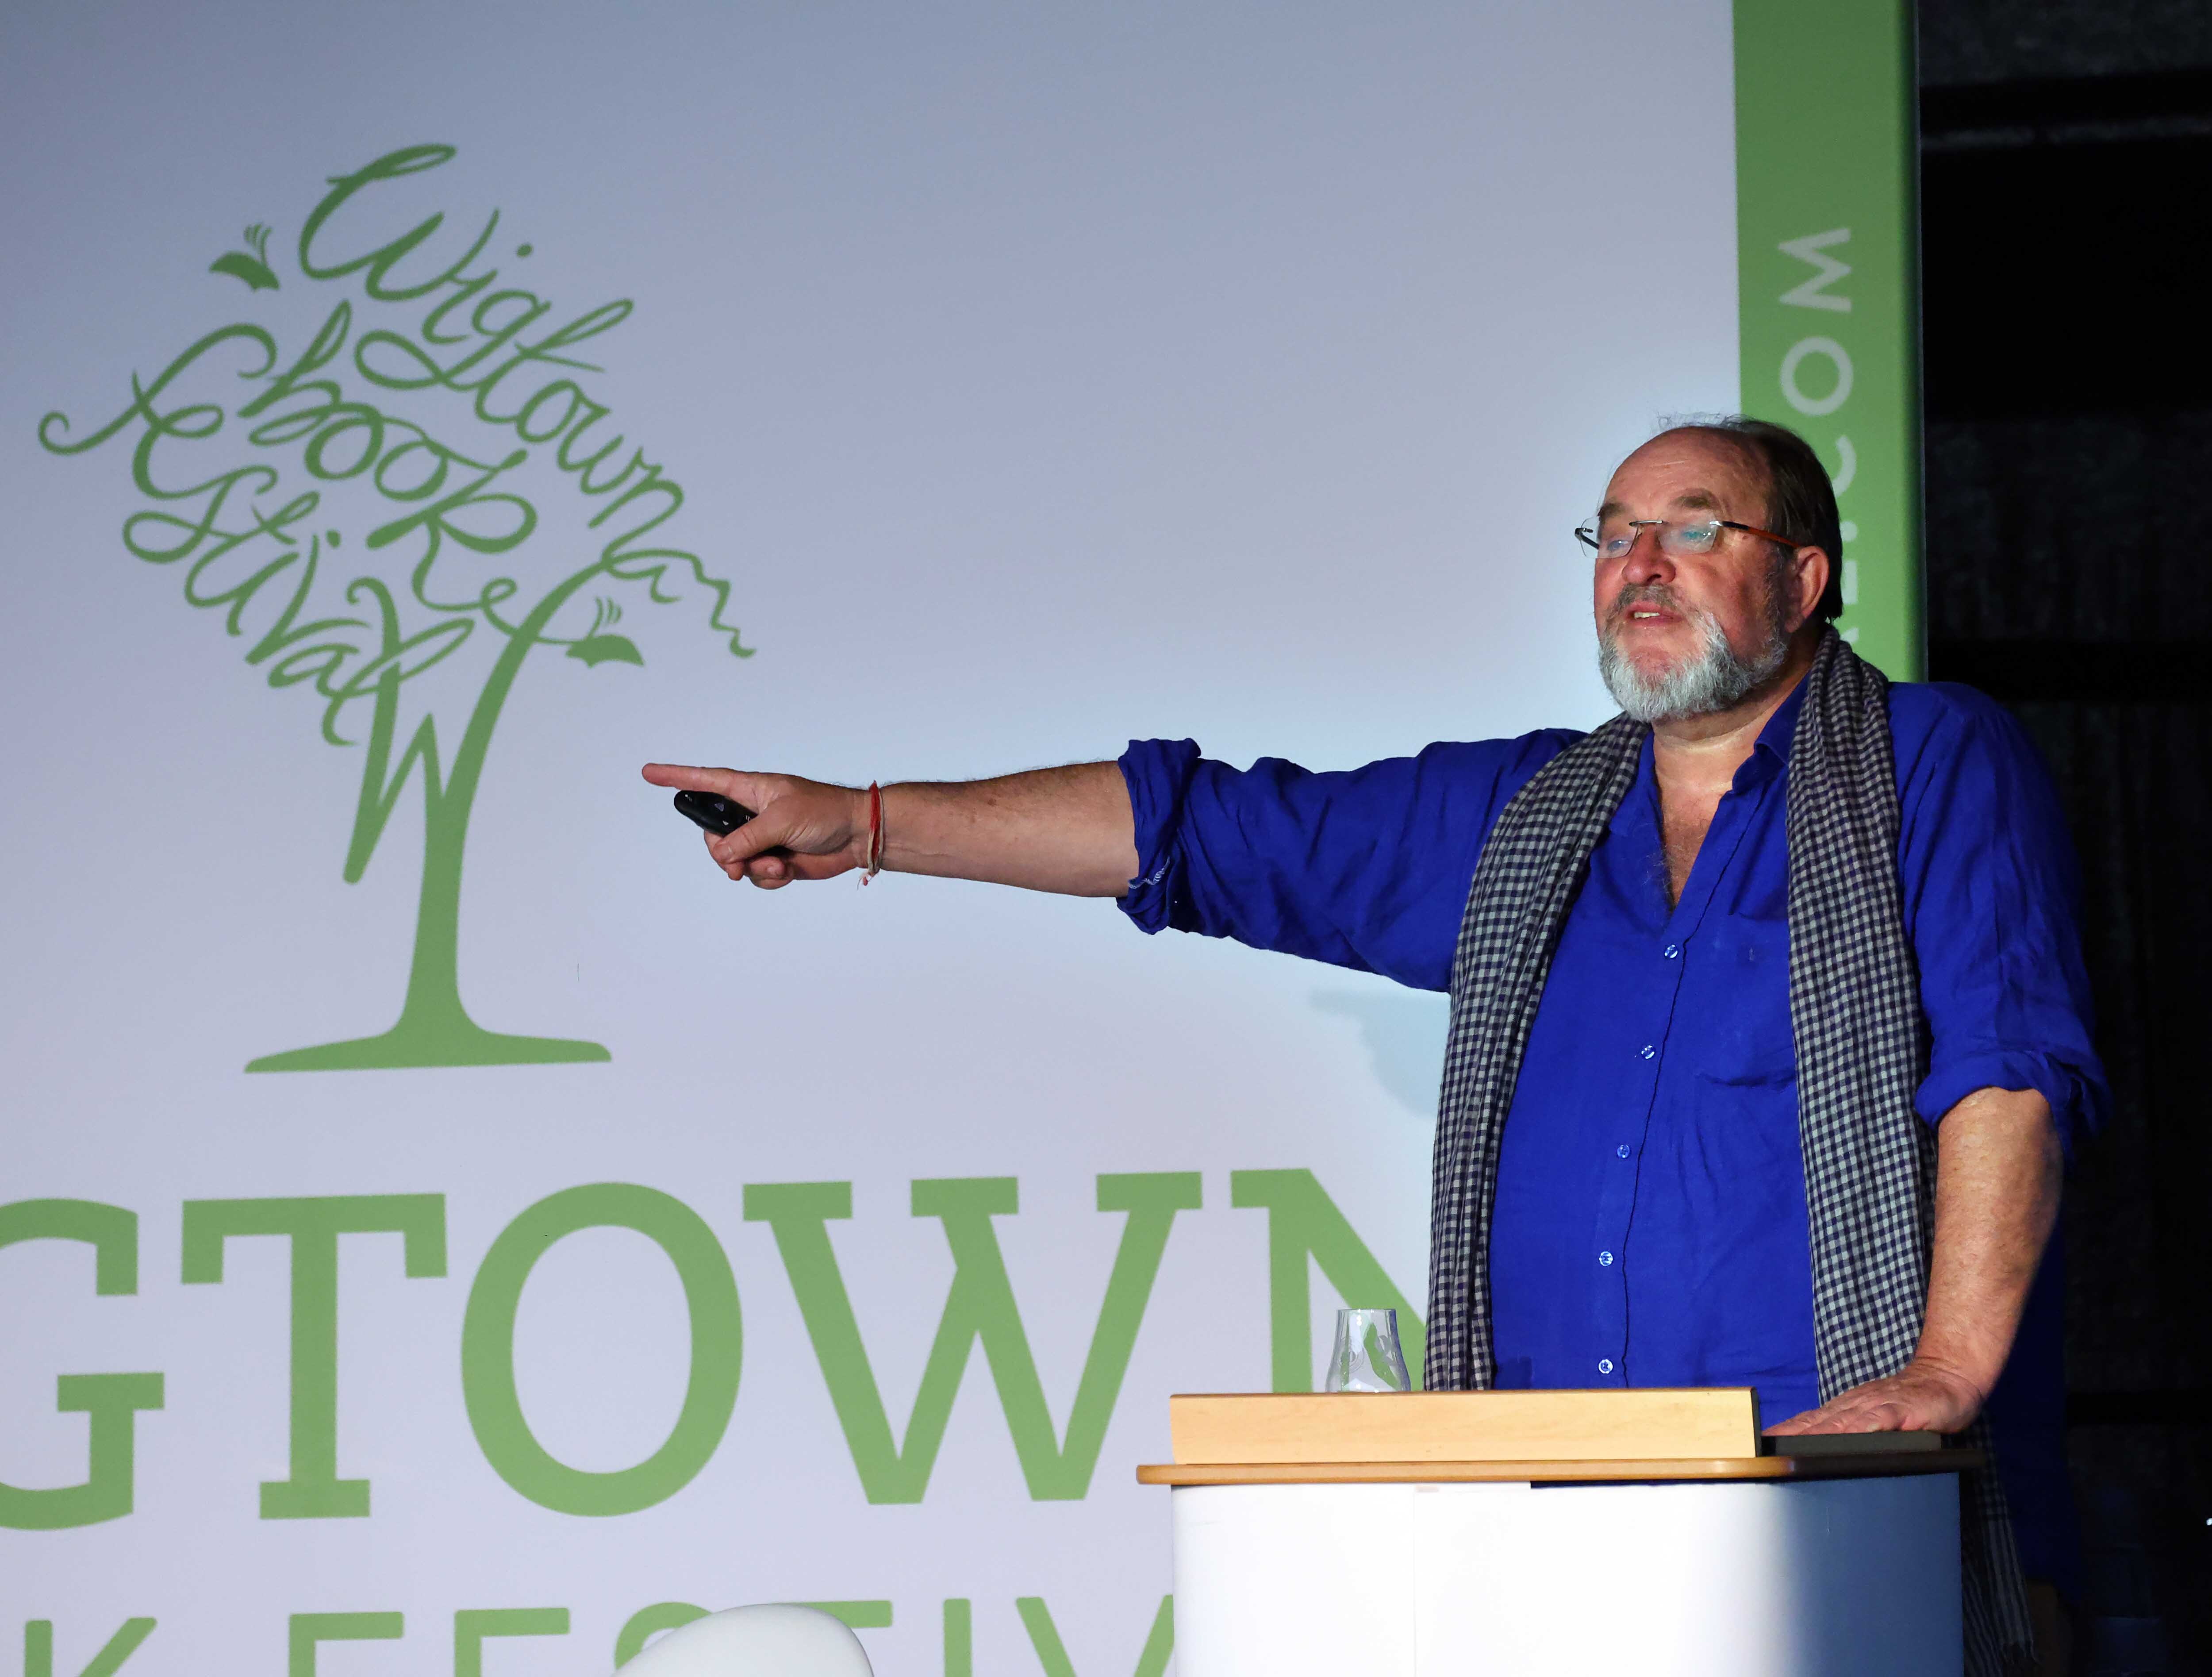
{"x": 1684, "y": 539}
{"x": 1613, "y": 537}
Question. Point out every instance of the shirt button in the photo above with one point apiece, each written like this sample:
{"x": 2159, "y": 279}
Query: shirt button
{"x": 1671, "y": 950}
{"x": 1621, "y": 1151}
{"x": 1605, "y": 1260}
{"x": 1605, "y": 1366}
{"x": 1647, "y": 1051}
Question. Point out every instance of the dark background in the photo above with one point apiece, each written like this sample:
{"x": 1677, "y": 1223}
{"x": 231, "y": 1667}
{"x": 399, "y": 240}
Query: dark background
{"x": 2066, "y": 178}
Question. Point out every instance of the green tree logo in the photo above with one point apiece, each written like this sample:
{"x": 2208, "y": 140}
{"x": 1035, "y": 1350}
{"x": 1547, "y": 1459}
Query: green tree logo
{"x": 433, "y": 414}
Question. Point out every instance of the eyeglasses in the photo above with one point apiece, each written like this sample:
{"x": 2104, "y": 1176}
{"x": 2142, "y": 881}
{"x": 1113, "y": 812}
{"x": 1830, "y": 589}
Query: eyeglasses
{"x": 1614, "y": 539}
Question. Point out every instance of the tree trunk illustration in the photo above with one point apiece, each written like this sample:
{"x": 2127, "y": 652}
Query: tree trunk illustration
{"x": 434, "y": 1027}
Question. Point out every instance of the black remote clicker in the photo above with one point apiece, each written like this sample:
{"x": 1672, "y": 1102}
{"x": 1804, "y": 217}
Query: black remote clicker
{"x": 716, "y": 813}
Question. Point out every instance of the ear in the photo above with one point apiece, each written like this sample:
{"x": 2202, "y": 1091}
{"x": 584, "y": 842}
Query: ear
{"x": 1810, "y": 575}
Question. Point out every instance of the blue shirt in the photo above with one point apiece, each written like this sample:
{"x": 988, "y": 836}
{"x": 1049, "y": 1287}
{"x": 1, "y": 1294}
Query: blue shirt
{"x": 1649, "y": 1226}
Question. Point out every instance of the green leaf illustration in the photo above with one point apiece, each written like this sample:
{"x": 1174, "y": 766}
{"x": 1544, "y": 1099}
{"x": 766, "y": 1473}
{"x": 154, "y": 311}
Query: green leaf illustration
{"x": 249, "y": 265}
{"x": 597, "y": 649}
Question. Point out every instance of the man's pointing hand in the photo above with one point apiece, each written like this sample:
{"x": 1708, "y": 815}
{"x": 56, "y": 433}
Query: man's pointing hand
{"x": 800, "y": 829}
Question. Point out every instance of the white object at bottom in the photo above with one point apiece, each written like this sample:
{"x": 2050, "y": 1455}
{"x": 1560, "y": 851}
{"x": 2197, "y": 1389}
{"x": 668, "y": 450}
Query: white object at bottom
{"x": 781, "y": 1639}
{"x": 1808, "y": 1578}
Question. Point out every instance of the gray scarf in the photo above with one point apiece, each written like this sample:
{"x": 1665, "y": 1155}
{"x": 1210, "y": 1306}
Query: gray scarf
{"x": 1862, "y": 1050}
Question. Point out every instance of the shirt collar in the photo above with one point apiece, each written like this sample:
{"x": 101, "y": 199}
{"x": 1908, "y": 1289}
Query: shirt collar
{"x": 1770, "y": 756}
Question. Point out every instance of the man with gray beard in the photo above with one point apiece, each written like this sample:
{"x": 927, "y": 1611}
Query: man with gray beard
{"x": 1752, "y": 988}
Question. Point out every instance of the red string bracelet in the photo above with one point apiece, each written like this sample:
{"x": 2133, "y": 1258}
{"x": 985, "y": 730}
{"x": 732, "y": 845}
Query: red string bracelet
{"x": 875, "y": 863}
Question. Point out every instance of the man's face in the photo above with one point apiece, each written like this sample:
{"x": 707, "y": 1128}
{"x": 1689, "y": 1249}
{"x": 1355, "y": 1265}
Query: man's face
{"x": 1688, "y": 635}
{"x": 1683, "y": 476}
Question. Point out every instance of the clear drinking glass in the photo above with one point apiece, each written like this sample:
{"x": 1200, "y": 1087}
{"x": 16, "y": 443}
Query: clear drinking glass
{"x": 1366, "y": 1357}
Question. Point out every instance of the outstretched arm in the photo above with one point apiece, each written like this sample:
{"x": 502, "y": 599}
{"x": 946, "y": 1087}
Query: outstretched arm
{"x": 1998, "y": 1169}
{"x": 1051, "y": 829}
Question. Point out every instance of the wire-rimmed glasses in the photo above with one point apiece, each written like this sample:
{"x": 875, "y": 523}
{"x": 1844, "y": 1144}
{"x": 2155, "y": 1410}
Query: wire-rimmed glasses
{"x": 1613, "y": 538}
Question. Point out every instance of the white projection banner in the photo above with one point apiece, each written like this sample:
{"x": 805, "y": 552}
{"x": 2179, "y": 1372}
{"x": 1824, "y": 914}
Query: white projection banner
{"x": 445, "y": 1225}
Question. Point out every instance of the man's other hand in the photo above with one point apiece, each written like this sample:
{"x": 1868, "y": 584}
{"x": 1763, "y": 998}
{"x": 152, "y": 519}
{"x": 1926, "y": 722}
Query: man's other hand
{"x": 1922, "y": 1396}
{"x": 800, "y": 829}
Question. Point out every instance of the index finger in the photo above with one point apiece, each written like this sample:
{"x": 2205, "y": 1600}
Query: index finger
{"x": 728, "y": 782}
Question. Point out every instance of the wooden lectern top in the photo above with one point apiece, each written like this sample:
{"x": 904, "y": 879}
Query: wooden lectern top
{"x": 1552, "y": 1436}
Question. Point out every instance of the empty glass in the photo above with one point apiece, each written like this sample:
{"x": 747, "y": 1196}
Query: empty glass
{"x": 1366, "y": 1357}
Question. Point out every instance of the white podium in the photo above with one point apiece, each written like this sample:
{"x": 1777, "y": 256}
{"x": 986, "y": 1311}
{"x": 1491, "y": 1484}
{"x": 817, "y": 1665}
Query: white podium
{"x": 1552, "y": 1535}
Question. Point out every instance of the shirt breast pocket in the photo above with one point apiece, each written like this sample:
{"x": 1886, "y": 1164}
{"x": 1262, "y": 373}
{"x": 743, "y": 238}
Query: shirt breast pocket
{"x": 1740, "y": 1012}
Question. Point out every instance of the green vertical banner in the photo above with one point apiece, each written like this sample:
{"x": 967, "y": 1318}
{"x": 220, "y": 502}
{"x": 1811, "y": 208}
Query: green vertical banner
{"x": 1827, "y": 282}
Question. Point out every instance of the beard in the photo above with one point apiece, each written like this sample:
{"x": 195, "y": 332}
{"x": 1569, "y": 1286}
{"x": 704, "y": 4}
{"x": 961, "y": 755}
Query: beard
{"x": 1710, "y": 679}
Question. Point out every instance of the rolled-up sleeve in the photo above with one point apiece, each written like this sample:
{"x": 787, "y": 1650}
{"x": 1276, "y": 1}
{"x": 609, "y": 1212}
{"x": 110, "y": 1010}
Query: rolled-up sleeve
{"x": 1158, "y": 772}
{"x": 1991, "y": 896}
{"x": 1366, "y": 868}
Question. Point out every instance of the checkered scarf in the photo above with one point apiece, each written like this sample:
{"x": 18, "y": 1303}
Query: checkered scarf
{"x": 1861, "y": 1040}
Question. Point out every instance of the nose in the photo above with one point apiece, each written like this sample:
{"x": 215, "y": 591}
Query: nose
{"x": 1645, "y": 560}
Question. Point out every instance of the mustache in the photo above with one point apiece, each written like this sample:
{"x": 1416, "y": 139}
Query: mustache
{"x": 1647, "y": 593}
